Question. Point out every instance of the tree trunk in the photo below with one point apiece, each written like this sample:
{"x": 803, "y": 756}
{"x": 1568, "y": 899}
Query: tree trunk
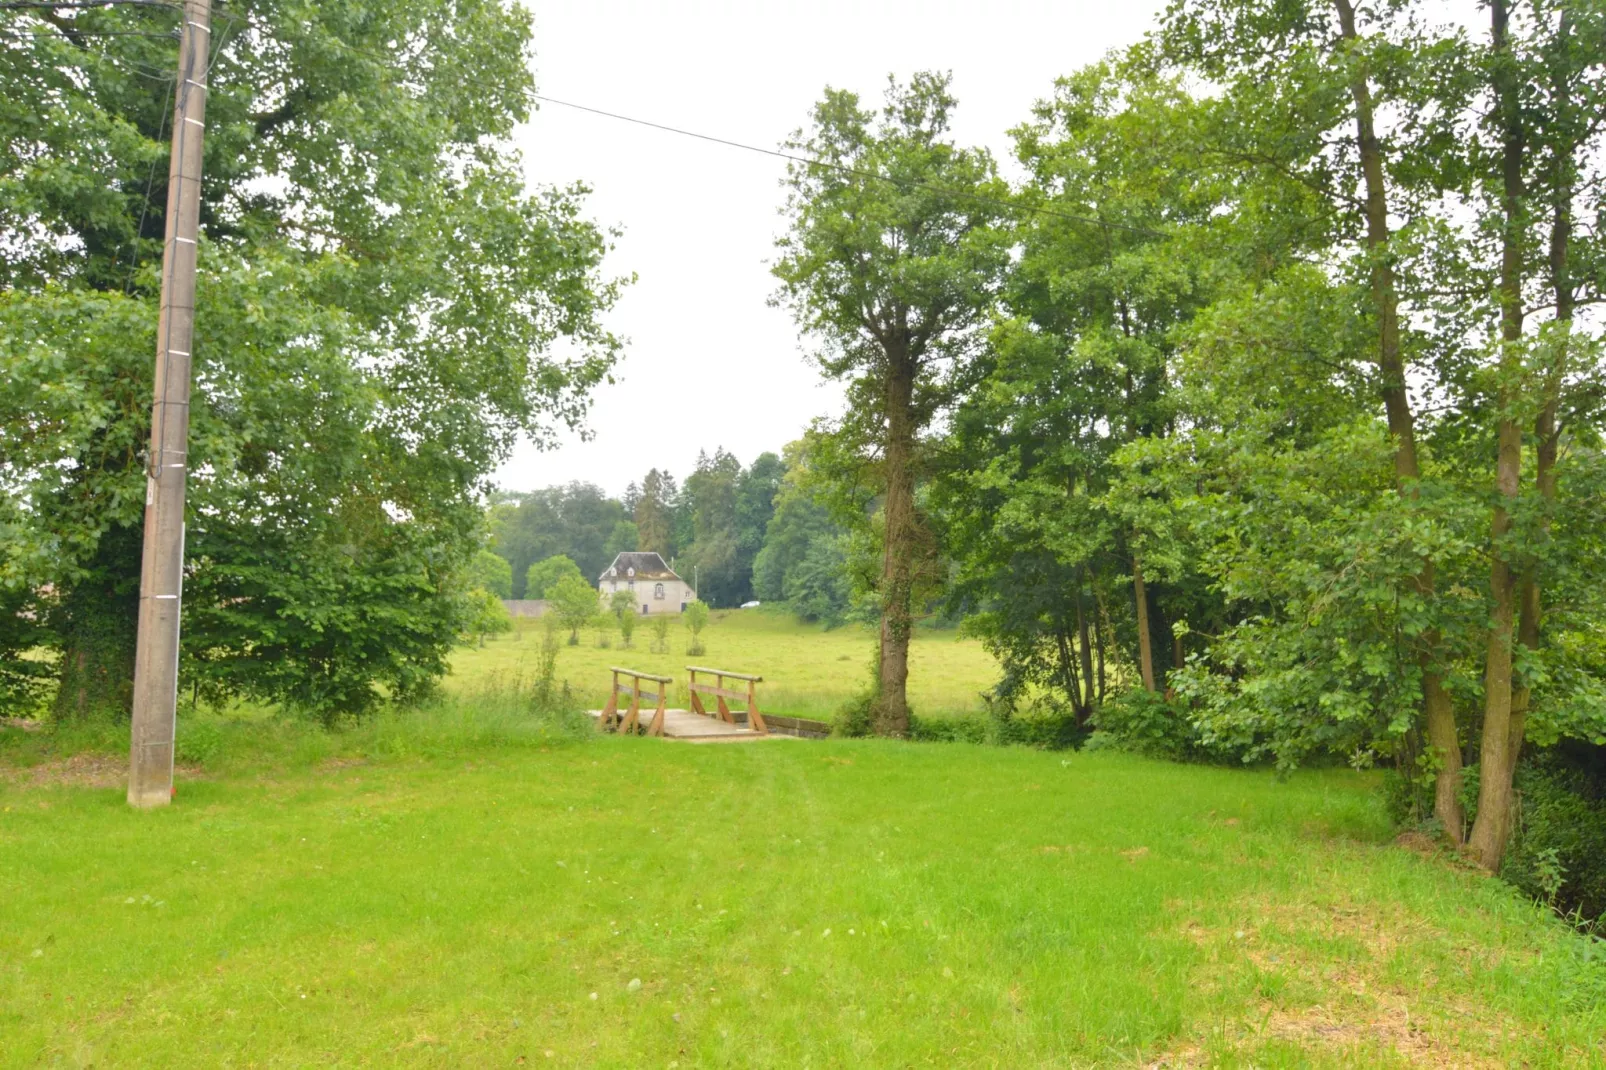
{"x": 1496, "y": 762}
{"x": 1086, "y": 705}
{"x": 1176, "y": 663}
{"x": 1100, "y": 625}
{"x": 1563, "y": 181}
{"x": 1446, "y": 744}
{"x": 97, "y": 622}
{"x": 1436, "y": 708}
{"x": 1530, "y": 604}
{"x": 1068, "y": 675}
{"x": 1145, "y": 647}
{"x": 897, "y": 568}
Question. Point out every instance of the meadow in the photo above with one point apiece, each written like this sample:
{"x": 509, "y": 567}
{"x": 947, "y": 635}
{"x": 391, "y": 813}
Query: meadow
{"x": 472, "y": 883}
{"x": 808, "y": 671}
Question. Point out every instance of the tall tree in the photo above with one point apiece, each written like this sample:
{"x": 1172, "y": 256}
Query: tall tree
{"x": 546, "y": 574}
{"x": 377, "y": 321}
{"x": 890, "y": 262}
{"x": 576, "y": 520}
{"x": 1539, "y": 170}
{"x": 709, "y": 497}
{"x": 654, "y": 523}
{"x": 1305, "y": 82}
{"x": 756, "y": 490}
{"x": 1080, "y": 366}
{"x": 805, "y": 558}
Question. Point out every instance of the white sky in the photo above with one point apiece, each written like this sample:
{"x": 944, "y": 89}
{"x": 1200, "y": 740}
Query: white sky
{"x": 709, "y": 363}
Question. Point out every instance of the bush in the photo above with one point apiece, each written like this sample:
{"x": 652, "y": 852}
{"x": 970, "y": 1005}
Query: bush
{"x": 1558, "y": 844}
{"x": 574, "y": 604}
{"x": 1044, "y": 730}
{"x": 855, "y": 718}
{"x": 696, "y": 620}
{"x": 623, "y": 607}
{"x": 1143, "y": 722}
{"x": 1408, "y": 798}
{"x": 484, "y": 614}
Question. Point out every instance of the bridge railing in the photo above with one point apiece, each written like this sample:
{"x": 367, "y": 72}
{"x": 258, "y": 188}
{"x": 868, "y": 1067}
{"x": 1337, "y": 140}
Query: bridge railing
{"x": 631, "y": 718}
{"x": 755, "y": 719}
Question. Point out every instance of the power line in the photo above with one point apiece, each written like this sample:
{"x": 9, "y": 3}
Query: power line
{"x": 1008, "y": 206}
{"x": 845, "y": 169}
{"x": 73, "y": 31}
{"x": 66, "y": 5}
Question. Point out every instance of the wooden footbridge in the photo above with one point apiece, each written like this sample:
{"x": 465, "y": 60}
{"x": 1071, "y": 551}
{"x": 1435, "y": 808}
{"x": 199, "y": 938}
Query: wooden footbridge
{"x": 644, "y": 689}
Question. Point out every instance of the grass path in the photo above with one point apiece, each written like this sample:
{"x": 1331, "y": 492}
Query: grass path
{"x": 781, "y": 904}
{"x": 808, "y": 672}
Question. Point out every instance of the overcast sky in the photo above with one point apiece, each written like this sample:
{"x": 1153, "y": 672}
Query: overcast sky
{"x": 709, "y": 363}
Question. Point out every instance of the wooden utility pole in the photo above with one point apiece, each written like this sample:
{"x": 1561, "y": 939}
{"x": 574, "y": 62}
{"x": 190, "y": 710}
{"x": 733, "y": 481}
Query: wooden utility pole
{"x": 150, "y": 774}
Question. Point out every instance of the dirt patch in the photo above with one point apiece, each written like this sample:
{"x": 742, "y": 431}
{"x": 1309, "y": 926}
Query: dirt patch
{"x": 81, "y": 771}
{"x": 335, "y": 765}
{"x": 1360, "y": 1011}
{"x": 1420, "y": 843}
{"x": 1353, "y": 1034}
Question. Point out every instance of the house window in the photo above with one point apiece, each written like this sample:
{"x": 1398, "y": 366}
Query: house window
{"x": 658, "y": 591}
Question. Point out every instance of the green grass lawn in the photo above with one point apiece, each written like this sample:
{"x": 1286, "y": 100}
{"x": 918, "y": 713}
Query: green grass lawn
{"x": 807, "y": 672}
{"x": 536, "y": 899}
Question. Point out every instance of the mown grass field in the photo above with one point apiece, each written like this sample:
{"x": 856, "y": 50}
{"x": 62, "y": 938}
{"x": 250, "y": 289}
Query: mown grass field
{"x": 469, "y": 883}
{"x": 808, "y": 672}
{"x": 487, "y": 889}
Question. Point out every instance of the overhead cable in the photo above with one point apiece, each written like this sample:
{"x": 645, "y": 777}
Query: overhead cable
{"x": 846, "y": 169}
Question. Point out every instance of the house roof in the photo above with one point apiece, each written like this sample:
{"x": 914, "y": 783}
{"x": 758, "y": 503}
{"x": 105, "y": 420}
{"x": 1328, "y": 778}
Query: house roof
{"x": 648, "y": 566}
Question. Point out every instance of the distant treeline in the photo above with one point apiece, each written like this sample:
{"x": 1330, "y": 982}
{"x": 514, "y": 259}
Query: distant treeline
{"x": 741, "y": 533}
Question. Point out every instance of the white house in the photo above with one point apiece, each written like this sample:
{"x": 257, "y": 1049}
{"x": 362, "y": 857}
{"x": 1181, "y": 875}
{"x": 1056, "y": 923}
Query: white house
{"x": 655, "y": 585}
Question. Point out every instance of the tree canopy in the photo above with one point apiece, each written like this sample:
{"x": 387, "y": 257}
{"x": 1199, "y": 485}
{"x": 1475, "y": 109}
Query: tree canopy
{"x": 890, "y": 263}
{"x": 544, "y": 576}
{"x": 379, "y": 307}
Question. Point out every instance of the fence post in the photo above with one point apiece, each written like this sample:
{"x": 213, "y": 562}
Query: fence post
{"x": 657, "y": 726}
{"x": 632, "y": 718}
{"x": 611, "y": 709}
{"x": 755, "y": 720}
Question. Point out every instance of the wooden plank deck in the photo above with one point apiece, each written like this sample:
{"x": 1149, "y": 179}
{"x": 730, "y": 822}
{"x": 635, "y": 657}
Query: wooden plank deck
{"x": 694, "y": 727}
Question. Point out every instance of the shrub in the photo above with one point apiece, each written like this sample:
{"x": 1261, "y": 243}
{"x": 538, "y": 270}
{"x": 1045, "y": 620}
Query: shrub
{"x": 543, "y": 693}
{"x": 484, "y": 614}
{"x": 623, "y": 606}
{"x": 1558, "y": 845}
{"x": 696, "y": 620}
{"x": 855, "y": 718}
{"x": 1143, "y": 722}
{"x": 1045, "y": 730}
{"x": 574, "y": 603}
